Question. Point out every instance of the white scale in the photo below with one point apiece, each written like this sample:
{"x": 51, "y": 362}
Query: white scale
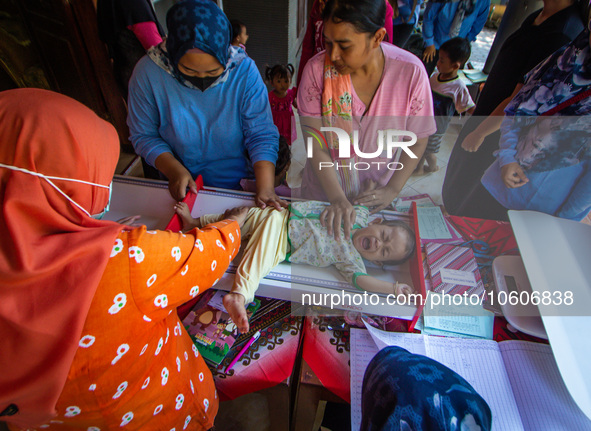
{"x": 555, "y": 257}
{"x": 511, "y": 279}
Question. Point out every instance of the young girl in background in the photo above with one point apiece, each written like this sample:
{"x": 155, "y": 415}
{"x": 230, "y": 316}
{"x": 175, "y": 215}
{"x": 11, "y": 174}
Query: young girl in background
{"x": 281, "y": 99}
{"x": 239, "y": 34}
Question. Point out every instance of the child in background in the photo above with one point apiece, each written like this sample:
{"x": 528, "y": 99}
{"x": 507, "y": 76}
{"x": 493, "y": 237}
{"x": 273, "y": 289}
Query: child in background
{"x": 298, "y": 236}
{"x": 239, "y": 34}
{"x": 281, "y": 167}
{"x": 281, "y": 99}
{"x": 450, "y": 94}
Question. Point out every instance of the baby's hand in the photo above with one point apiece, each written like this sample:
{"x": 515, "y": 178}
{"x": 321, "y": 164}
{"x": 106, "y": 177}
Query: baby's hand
{"x": 238, "y": 214}
{"x": 403, "y": 289}
{"x": 234, "y": 305}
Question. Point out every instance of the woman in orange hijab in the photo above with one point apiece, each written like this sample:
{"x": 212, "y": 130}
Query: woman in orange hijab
{"x": 88, "y": 330}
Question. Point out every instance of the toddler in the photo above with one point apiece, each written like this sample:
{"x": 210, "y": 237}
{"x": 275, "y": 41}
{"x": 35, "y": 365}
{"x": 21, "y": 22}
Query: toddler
{"x": 239, "y": 34}
{"x": 450, "y": 94}
{"x": 281, "y": 99}
{"x": 297, "y": 235}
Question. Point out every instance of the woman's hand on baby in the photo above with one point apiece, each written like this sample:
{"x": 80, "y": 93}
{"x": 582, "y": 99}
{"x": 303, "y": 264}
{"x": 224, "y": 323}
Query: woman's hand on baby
{"x": 376, "y": 199}
{"x": 235, "y": 306}
{"x": 237, "y": 214}
{"x": 472, "y": 142}
{"x": 339, "y": 212}
{"x": 513, "y": 176}
{"x": 265, "y": 198}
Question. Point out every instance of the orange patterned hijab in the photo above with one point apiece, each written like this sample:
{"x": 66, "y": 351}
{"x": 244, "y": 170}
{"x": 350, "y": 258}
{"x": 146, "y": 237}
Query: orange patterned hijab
{"x": 52, "y": 253}
{"x": 337, "y": 112}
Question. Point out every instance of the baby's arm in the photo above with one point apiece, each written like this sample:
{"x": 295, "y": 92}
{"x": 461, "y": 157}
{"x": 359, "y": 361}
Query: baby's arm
{"x": 372, "y": 284}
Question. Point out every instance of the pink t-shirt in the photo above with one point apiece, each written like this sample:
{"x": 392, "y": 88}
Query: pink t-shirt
{"x": 403, "y": 101}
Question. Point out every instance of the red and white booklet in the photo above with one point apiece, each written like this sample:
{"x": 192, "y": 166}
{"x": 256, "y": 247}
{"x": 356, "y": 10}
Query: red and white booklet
{"x": 453, "y": 269}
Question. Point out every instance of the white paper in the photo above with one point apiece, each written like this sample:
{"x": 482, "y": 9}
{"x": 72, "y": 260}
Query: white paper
{"x": 456, "y": 276}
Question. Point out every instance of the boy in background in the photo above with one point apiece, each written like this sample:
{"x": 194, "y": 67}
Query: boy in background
{"x": 450, "y": 94}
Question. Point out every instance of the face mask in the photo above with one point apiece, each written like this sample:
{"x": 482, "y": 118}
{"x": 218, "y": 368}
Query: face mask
{"x": 201, "y": 83}
{"x": 49, "y": 178}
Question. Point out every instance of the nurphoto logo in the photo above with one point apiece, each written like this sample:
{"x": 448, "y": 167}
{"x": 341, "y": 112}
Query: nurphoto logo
{"x": 389, "y": 139}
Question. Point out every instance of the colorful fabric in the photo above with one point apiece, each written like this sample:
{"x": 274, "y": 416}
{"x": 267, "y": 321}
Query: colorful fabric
{"x": 336, "y": 112}
{"x": 283, "y": 117}
{"x": 311, "y": 244}
{"x": 445, "y": 257}
{"x": 197, "y": 24}
{"x": 52, "y": 253}
{"x": 406, "y": 391}
{"x": 402, "y": 101}
{"x": 136, "y": 366}
{"x": 553, "y": 151}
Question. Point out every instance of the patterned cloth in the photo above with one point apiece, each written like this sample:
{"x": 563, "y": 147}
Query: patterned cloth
{"x": 405, "y": 391}
{"x": 197, "y": 24}
{"x": 283, "y": 117}
{"x": 336, "y": 112}
{"x": 311, "y": 244}
{"x": 136, "y": 366}
{"x": 554, "y": 151}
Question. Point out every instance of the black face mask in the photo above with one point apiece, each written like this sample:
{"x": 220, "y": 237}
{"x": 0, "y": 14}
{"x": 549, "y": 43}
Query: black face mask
{"x": 201, "y": 83}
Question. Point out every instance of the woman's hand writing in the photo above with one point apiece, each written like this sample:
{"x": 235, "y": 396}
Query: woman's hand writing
{"x": 513, "y": 176}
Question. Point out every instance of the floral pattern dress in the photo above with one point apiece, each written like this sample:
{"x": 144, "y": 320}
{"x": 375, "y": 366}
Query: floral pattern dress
{"x": 554, "y": 151}
{"x": 136, "y": 367}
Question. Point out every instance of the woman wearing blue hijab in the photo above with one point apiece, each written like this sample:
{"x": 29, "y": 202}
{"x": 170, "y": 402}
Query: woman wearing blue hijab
{"x": 403, "y": 391}
{"x": 198, "y": 106}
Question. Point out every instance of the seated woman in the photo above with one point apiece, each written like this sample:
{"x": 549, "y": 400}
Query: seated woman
{"x": 89, "y": 333}
{"x": 197, "y": 106}
{"x": 361, "y": 83}
{"x": 410, "y": 392}
{"x": 544, "y": 161}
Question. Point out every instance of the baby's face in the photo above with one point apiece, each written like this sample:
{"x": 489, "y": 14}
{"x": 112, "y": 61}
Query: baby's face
{"x": 380, "y": 243}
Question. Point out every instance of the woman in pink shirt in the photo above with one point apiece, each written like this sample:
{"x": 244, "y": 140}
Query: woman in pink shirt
{"x": 365, "y": 87}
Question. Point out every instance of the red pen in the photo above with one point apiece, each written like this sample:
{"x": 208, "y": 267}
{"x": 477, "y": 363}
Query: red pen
{"x": 255, "y": 337}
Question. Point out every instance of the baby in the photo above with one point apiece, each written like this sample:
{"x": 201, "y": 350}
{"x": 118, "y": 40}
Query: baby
{"x": 298, "y": 236}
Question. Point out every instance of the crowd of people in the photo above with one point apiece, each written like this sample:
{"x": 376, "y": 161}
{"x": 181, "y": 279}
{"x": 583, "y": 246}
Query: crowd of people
{"x": 90, "y": 339}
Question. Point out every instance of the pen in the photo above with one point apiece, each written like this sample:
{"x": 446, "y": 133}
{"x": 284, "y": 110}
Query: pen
{"x": 256, "y": 335}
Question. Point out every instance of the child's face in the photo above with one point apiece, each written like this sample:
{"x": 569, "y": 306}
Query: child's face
{"x": 243, "y": 36}
{"x": 281, "y": 85}
{"x": 379, "y": 243}
{"x": 445, "y": 65}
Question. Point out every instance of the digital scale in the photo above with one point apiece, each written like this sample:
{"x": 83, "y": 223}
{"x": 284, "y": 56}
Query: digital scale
{"x": 510, "y": 280}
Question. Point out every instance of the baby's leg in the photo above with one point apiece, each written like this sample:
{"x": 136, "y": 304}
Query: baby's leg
{"x": 266, "y": 248}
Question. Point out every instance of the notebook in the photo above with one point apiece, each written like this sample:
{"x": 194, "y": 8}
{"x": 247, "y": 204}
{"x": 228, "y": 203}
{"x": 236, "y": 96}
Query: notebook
{"x": 518, "y": 379}
{"x": 453, "y": 269}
